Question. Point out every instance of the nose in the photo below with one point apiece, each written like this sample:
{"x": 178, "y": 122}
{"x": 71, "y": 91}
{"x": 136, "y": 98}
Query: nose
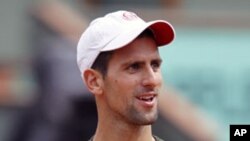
{"x": 151, "y": 78}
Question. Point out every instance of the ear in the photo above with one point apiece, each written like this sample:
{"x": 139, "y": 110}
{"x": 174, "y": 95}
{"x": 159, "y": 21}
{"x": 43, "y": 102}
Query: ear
{"x": 94, "y": 81}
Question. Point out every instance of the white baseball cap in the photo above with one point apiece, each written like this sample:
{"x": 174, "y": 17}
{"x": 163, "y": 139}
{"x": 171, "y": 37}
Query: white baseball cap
{"x": 116, "y": 30}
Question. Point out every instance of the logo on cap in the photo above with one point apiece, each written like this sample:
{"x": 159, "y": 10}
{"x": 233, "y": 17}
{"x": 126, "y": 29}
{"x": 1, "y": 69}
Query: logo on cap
{"x": 129, "y": 16}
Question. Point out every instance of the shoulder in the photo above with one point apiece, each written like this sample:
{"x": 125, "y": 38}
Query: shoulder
{"x": 91, "y": 139}
{"x": 158, "y": 139}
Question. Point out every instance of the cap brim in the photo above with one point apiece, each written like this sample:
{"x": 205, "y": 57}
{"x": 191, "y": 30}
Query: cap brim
{"x": 163, "y": 32}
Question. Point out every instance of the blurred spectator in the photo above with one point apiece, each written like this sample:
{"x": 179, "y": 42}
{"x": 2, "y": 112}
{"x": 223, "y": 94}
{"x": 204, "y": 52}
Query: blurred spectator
{"x": 64, "y": 109}
{"x": 6, "y": 76}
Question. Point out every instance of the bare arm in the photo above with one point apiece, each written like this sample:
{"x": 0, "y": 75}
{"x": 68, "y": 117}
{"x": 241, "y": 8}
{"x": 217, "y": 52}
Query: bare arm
{"x": 62, "y": 18}
{"x": 186, "y": 116}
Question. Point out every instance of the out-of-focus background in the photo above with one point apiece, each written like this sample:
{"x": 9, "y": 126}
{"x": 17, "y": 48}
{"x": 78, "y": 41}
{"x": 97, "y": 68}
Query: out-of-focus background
{"x": 208, "y": 64}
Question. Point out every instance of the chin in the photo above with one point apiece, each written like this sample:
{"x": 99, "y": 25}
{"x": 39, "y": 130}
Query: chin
{"x": 151, "y": 121}
{"x": 139, "y": 117}
{"x": 146, "y": 120}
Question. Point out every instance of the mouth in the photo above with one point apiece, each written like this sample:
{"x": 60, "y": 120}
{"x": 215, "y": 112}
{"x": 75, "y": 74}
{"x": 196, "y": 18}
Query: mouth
{"x": 147, "y": 100}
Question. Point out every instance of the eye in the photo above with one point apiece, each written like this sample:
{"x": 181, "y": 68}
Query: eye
{"x": 156, "y": 65}
{"x": 134, "y": 67}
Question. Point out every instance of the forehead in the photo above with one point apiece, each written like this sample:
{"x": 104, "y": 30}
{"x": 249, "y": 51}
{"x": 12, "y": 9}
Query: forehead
{"x": 144, "y": 47}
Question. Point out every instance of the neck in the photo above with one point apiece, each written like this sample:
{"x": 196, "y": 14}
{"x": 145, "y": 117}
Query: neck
{"x": 111, "y": 131}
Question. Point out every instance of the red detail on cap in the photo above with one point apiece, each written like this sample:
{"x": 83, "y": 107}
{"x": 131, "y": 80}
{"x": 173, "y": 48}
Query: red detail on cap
{"x": 129, "y": 16}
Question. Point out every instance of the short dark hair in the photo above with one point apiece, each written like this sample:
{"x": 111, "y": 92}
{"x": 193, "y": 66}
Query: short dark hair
{"x": 102, "y": 60}
{"x": 147, "y": 33}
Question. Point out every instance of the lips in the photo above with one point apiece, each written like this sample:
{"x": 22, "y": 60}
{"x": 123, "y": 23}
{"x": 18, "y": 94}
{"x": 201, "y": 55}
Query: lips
{"x": 147, "y": 100}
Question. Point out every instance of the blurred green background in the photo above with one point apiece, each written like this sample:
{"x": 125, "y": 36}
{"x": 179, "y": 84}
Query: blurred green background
{"x": 211, "y": 68}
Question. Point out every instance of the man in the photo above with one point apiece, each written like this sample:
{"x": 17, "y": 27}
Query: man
{"x": 119, "y": 61}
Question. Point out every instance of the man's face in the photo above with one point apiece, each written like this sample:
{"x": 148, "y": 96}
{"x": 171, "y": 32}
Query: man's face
{"x": 132, "y": 83}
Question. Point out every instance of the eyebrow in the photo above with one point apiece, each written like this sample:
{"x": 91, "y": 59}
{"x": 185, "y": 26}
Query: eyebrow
{"x": 127, "y": 63}
{"x": 158, "y": 60}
